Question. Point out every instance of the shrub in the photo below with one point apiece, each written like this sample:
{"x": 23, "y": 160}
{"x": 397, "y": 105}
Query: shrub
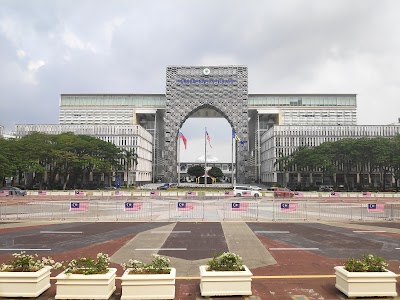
{"x": 28, "y": 263}
{"x": 368, "y": 263}
{"x": 87, "y": 266}
{"x": 159, "y": 265}
{"x": 227, "y": 261}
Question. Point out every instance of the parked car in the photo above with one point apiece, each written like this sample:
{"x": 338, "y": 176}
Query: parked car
{"x": 283, "y": 193}
{"x": 173, "y": 186}
{"x": 325, "y": 188}
{"x": 165, "y": 186}
{"x": 240, "y": 190}
{"x": 255, "y": 188}
{"x": 14, "y": 191}
{"x": 272, "y": 188}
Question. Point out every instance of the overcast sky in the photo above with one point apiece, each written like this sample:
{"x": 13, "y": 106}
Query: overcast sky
{"x": 331, "y": 46}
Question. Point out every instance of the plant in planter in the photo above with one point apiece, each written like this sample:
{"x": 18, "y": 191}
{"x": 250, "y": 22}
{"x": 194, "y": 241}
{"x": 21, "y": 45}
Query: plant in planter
{"x": 225, "y": 275}
{"x": 366, "y": 277}
{"x": 86, "y": 278}
{"x": 155, "y": 280}
{"x": 26, "y": 275}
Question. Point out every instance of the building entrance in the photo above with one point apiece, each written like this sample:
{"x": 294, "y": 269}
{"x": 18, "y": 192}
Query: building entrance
{"x": 188, "y": 89}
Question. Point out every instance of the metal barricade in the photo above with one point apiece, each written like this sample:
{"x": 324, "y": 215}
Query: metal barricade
{"x": 80, "y": 209}
{"x": 393, "y": 211}
{"x": 130, "y": 210}
{"x": 2, "y": 210}
{"x": 199, "y": 209}
{"x": 289, "y": 210}
{"x": 38, "y": 210}
{"x": 186, "y": 209}
{"x": 10, "y": 211}
{"x": 333, "y": 211}
{"x": 106, "y": 210}
{"x": 266, "y": 211}
{"x": 240, "y": 210}
{"x": 375, "y": 211}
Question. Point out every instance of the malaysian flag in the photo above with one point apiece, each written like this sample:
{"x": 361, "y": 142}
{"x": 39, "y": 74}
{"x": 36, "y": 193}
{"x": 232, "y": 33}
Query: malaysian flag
{"x": 208, "y": 138}
{"x": 288, "y": 206}
{"x": 4, "y": 192}
{"x": 366, "y": 194}
{"x": 192, "y": 193}
{"x": 298, "y": 194}
{"x": 80, "y": 194}
{"x": 246, "y": 193}
{"x": 183, "y": 139}
{"x": 228, "y": 194}
{"x": 376, "y": 207}
{"x": 155, "y": 194}
{"x": 42, "y": 193}
{"x": 133, "y": 206}
{"x": 118, "y": 193}
{"x": 185, "y": 206}
{"x": 239, "y": 206}
{"x": 79, "y": 206}
{"x": 335, "y": 194}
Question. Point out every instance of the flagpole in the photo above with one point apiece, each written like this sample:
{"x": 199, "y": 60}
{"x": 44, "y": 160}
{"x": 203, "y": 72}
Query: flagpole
{"x": 205, "y": 157}
{"x": 179, "y": 161}
{"x": 232, "y": 159}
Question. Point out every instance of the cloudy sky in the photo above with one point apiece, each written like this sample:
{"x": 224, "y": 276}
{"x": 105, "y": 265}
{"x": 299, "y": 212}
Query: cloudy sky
{"x": 49, "y": 47}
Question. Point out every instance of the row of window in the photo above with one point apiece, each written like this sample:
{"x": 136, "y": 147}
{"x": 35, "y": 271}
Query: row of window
{"x": 113, "y": 100}
{"x": 341, "y": 131}
{"x": 317, "y": 100}
{"x": 254, "y": 100}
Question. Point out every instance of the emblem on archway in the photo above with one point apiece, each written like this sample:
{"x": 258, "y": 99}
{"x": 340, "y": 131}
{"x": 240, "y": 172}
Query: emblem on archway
{"x": 188, "y": 89}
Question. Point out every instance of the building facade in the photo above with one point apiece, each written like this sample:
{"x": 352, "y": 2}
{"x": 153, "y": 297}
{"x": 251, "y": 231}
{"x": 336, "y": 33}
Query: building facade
{"x": 263, "y": 112}
{"x": 271, "y": 124}
{"x": 283, "y": 140}
{"x": 126, "y": 137}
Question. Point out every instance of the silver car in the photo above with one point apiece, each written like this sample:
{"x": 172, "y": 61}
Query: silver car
{"x": 14, "y": 191}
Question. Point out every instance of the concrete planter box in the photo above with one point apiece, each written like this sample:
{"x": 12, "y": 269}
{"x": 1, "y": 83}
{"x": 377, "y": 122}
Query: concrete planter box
{"x": 78, "y": 286}
{"x": 24, "y": 284}
{"x": 365, "y": 284}
{"x": 148, "y": 286}
{"x": 225, "y": 283}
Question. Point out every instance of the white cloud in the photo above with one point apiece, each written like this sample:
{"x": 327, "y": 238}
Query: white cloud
{"x": 72, "y": 41}
{"x": 112, "y": 25}
{"x": 21, "y": 53}
{"x": 302, "y": 46}
{"x": 8, "y": 28}
{"x": 31, "y": 70}
{"x": 35, "y": 65}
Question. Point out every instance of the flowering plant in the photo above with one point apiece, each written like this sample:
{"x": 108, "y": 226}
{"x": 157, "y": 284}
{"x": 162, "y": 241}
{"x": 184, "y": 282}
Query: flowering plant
{"x": 87, "y": 266}
{"x": 28, "y": 263}
{"x": 159, "y": 265}
{"x": 227, "y": 261}
{"x": 368, "y": 263}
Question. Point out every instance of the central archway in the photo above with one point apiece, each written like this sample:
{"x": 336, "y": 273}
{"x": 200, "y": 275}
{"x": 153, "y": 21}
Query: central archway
{"x": 188, "y": 89}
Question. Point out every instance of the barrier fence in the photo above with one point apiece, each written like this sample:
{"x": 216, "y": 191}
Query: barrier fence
{"x": 188, "y": 194}
{"x": 191, "y": 209}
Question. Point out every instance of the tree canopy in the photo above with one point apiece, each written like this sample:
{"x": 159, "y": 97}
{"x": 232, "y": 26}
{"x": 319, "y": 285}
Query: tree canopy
{"x": 363, "y": 156}
{"x": 51, "y": 157}
{"x": 196, "y": 171}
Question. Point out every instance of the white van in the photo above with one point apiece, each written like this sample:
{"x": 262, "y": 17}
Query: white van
{"x": 245, "y": 191}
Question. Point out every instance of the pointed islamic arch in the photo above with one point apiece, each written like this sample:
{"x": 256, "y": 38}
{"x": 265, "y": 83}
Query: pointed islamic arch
{"x": 189, "y": 89}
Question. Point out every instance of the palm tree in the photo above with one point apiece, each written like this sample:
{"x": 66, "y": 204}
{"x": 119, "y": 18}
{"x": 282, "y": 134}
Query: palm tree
{"x": 131, "y": 159}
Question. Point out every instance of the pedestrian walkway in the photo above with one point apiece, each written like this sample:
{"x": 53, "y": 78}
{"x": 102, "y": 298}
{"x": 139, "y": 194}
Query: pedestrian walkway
{"x": 288, "y": 260}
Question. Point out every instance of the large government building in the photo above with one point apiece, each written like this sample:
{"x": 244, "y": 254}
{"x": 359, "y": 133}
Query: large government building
{"x": 271, "y": 124}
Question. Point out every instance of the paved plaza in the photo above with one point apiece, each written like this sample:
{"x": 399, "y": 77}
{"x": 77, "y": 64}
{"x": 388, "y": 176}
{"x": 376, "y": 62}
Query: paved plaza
{"x": 289, "y": 260}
